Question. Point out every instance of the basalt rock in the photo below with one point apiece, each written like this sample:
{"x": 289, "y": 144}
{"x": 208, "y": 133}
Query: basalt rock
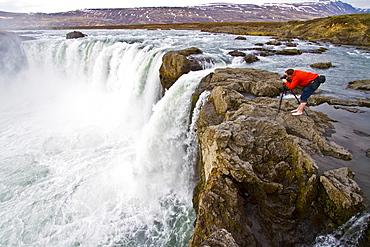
{"x": 360, "y": 84}
{"x": 177, "y": 63}
{"x": 257, "y": 178}
{"x": 250, "y": 58}
{"x": 75, "y": 35}
{"x": 320, "y": 99}
{"x": 236, "y": 53}
{"x": 246, "y": 80}
{"x": 322, "y": 65}
{"x": 273, "y": 42}
{"x": 289, "y": 52}
{"x": 241, "y": 38}
{"x": 342, "y": 197}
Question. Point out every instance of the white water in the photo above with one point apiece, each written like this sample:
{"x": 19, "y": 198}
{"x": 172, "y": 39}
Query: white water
{"x": 86, "y": 159}
{"x": 90, "y": 154}
{"x": 347, "y": 235}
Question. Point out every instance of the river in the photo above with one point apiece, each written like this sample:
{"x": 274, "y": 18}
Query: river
{"x": 91, "y": 154}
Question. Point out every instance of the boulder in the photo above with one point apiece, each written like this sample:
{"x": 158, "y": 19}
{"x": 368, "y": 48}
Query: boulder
{"x": 250, "y": 58}
{"x": 322, "y": 65}
{"x": 342, "y": 197}
{"x": 257, "y": 178}
{"x": 241, "y": 38}
{"x": 177, "y": 63}
{"x": 75, "y": 35}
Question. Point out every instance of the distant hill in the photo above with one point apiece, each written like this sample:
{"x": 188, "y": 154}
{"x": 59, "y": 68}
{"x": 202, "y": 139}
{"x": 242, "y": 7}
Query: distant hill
{"x": 345, "y": 29}
{"x": 217, "y": 12}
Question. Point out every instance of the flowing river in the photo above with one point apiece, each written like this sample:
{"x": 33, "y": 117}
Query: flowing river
{"x": 91, "y": 154}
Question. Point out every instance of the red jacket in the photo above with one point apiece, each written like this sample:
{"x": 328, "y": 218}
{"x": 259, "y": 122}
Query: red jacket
{"x": 301, "y": 78}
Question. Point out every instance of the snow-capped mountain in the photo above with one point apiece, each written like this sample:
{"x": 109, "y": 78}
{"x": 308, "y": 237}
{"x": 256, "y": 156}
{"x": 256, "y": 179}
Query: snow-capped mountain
{"x": 215, "y": 12}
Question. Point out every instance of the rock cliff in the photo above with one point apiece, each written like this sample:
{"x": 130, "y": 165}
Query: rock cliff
{"x": 258, "y": 184}
{"x": 177, "y": 63}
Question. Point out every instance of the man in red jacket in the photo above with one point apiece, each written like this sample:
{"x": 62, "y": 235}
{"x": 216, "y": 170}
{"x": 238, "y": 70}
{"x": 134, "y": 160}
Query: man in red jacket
{"x": 300, "y": 78}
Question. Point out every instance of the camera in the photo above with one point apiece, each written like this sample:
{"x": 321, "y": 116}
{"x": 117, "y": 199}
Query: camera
{"x": 283, "y": 77}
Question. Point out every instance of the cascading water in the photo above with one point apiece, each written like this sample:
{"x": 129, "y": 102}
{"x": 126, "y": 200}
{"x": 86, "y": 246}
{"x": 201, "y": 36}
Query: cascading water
{"x": 90, "y": 153}
{"x": 88, "y": 159}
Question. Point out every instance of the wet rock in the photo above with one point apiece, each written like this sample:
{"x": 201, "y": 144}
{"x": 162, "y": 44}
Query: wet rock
{"x": 368, "y": 153}
{"x": 241, "y": 38}
{"x": 364, "y": 103}
{"x": 274, "y": 42}
{"x": 250, "y": 58}
{"x": 236, "y": 53}
{"x": 321, "y": 99}
{"x": 75, "y": 35}
{"x": 349, "y": 109}
{"x": 290, "y": 44}
{"x": 319, "y": 51}
{"x": 342, "y": 196}
{"x": 289, "y": 52}
{"x": 361, "y": 133}
{"x": 322, "y": 65}
{"x": 177, "y": 63}
{"x": 360, "y": 84}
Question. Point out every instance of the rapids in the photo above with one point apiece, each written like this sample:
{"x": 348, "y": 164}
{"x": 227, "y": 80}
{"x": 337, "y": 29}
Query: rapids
{"x": 92, "y": 155}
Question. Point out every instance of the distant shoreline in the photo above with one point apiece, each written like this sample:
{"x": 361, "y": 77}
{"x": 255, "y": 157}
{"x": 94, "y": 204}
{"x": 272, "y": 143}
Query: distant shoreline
{"x": 353, "y": 29}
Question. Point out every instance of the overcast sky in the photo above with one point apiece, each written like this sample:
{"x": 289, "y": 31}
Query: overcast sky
{"x": 50, "y": 6}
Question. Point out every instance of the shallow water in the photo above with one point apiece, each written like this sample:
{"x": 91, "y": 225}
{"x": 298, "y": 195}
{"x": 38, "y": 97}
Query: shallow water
{"x": 352, "y": 131}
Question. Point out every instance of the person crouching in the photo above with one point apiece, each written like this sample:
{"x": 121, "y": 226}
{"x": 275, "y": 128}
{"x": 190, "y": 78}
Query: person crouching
{"x": 309, "y": 81}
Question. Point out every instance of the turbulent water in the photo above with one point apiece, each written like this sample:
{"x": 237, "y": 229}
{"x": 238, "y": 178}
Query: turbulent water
{"x": 92, "y": 155}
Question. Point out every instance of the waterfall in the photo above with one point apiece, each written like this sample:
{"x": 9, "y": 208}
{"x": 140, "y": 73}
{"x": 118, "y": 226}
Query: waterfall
{"x": 90, "y": 153}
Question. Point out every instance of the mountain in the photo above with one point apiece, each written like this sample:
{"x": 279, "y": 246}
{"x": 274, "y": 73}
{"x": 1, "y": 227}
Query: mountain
{"x": 216, "y": 12}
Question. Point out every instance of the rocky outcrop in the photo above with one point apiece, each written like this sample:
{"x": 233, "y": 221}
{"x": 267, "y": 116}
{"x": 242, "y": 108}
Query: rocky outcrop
{"x": 177, "y": 63}
{"x": 360, "y": 84}
{"x": 220, "y": 238}
{"x": 258, "y": 181}
{"x": 75, "y": 35}
{"x": 341, "y": 196}
{"x": 321, "y": 99}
